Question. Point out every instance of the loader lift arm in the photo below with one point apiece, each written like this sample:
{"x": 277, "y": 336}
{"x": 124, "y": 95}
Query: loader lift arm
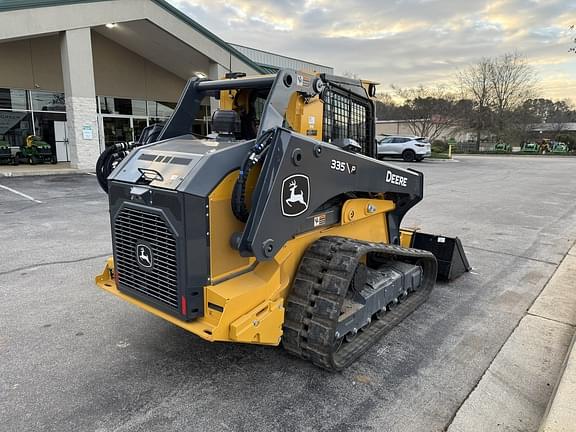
{"x": 329, "y": 172}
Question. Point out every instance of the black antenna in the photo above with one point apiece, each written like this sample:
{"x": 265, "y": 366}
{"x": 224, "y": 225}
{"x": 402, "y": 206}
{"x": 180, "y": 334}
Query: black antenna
{"x": 230, "y": 68}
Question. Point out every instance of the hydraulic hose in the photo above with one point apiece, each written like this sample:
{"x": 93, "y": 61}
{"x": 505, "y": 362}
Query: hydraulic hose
{"x": 258, "y": 151}
{"x": 116, "y": 152}
{"x": 105, "y": 163}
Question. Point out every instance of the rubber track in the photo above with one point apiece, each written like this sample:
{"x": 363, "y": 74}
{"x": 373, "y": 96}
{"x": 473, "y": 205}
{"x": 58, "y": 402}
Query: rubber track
{"x": 319, "y": 289}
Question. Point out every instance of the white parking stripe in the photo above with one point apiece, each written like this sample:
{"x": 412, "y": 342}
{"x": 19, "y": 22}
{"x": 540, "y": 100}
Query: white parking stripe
{"x": 21, "y": 194}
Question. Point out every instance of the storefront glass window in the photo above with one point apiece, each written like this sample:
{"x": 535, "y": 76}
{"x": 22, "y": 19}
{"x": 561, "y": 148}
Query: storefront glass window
{"x": 15, "y": 127}
{"x": 13, "y": 99}
{"x": 138, "y": 107}
{"x": 106, "y": 105}
{"x": 117, "y": 130}
{"x": 48, "y": 101}
{"x": 138, "y": 126}
{"x": 154, "y": 120}
{"x": 125, "y": 119}
{"x": 203, "y": 113}
{"x": 202, "y": 122}
{"x": 161, "y": 109}
{"x": 111, "y": 105}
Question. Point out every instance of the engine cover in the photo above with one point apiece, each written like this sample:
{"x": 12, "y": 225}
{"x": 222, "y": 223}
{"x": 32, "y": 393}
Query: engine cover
{"x": 160, "y": 230}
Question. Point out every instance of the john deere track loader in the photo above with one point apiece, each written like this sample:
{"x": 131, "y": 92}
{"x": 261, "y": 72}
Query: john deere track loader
{"x": 280, "y": 228}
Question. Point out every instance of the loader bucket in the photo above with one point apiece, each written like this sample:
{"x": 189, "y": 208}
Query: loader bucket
{"x": 449, "y": 253}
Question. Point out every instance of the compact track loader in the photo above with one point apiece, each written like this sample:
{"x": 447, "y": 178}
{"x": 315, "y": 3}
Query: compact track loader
{"x": 281, "y": 227}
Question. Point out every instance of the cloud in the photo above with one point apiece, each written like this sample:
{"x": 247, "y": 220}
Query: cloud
{"x": 403, "y": 42}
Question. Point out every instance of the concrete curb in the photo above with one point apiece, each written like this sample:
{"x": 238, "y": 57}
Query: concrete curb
{"x": 441, "y": 160}
{"x": 46, "y": 172}
{"x": 560, "y": 415}
{"x": 513, "y": 155}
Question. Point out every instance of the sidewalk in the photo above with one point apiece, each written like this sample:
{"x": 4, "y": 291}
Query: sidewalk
{"x": 514, "y": 392}
{"x": 561, "y": 413}
{"x": 40, "y": 169}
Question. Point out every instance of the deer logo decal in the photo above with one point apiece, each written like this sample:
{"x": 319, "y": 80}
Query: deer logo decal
{"x": 295, "y": 195}
{"x": 144, "y": 255}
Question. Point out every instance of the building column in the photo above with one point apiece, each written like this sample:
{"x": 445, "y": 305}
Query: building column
{"x": 215, "y": 72}
{"x": 80, "y": 93}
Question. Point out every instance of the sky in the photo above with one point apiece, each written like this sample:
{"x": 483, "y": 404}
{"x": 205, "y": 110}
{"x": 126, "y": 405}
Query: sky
{"x": 403, "y": 42}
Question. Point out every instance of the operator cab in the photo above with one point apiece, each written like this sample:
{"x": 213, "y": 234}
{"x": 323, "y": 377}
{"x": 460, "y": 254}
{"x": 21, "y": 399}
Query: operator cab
{"x": 319, "y": 106}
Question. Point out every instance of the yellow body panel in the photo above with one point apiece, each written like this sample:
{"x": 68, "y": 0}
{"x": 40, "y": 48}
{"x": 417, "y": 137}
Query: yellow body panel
{"x": 358, "y": 209}
{"x": 306, "y": 117}
{"x": 225, "y": 261}
{"x": 407, "y": 237}
{"x": 263, "y": 323}
{"x": 227, "y": 99}
{"x": 252, "y": 302}
{"x": 235, "y": 100}
{"x": 303, "y": 115}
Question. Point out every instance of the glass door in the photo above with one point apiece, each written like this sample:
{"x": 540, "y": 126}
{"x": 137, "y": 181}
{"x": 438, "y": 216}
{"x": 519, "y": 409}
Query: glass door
{"x": 61, "y": 140}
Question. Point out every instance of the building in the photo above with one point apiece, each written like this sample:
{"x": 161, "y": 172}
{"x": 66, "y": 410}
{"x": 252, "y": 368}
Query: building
{"x": 393, "y": 127}
{"x": 467, "y": 138}
{"x": 552, "y": 130}
{"x": 271, "y": 62}
{"x": 83, "y": 74}
{"x": 407, "y": 127}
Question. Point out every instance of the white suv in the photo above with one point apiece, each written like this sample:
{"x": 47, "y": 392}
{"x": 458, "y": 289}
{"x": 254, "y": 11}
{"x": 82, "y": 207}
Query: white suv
{"x": 408, "y": 148}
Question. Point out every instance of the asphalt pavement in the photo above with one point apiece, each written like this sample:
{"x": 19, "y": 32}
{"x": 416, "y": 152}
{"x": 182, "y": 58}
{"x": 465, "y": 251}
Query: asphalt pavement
{"x": 74, "y": 358}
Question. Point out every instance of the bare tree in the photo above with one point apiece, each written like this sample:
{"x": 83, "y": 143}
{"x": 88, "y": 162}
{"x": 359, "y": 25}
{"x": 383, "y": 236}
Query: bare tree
{"x": 351, "y": 75}
{"x": 428, "y": 111}
{"x": 512, "y": 81}
{"x": 561, "y": 114}
{"x": 386, "y": 107}
{"x": 385, "y": 98}
{"x": 475, "y": 84}
{"x": 522, "y": 121}
{"x": 498, "y": 87}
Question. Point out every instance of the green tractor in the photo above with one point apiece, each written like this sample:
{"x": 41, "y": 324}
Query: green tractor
{"x": 558, "y": 148}
{"x": 6, "y": 156}
{"x": 36, "y": 151}
{"x": 530, "y": 147}
{"x": 502, "y": 148}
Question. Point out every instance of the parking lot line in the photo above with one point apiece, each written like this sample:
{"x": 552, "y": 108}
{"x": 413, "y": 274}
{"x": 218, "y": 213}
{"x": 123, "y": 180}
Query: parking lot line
{"x": 21, "y": 194}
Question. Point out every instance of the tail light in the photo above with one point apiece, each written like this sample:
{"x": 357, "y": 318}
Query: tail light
{"x": 183, "y": 306}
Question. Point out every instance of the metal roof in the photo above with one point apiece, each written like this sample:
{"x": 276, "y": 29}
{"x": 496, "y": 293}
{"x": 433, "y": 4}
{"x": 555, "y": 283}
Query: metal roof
{"x": 273, "y": 61}
{"x": 558, "y": 127}
{"x": 8, "y": 5}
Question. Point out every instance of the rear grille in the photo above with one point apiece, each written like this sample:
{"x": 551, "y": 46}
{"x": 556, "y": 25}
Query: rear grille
{"x": 133, "y": 227}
